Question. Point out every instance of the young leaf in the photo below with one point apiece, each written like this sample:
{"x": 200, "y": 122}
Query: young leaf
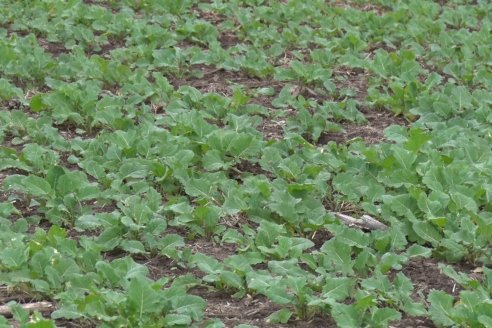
{"x": 346, "y": 316}
{"x": 142, "y": 298}
{"x": 173, "y": 319}
{"x": 441, "y": 307}
{"x": 189, "y": 305}
{"x": 427, "y": 232}
{"x": 280, "y": 316}
{"x": 36, "y": 186}
{"x": 279, "y": 295}
{"x": 337, "y": 288}
{"x": 381, "y": 316}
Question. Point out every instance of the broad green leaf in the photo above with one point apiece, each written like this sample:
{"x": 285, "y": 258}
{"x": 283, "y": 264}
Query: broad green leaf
{"x": 133, "y": 246}
{"x": 36, "y": 186}
{"x": 382, "y": 316}
{"x": 71, "y": 182}
{"x": 284, "y": 204}
{"x": 462, "y": 97}
{"x": 337, "y": 288}
{"x": 142, "y": 298}
{"x": 337, "y": 256}
{"x": 200, "y": 187}
{"x": 36, "y": 103}
{"x": 354, "y": 237}
{"x": 279, "y": 295}
{"x": 391, "y": 261}
{"x": 416, "y": 139}
{"x": 189, "y": 305}
{"x": 41, "y": 324}
{"x": 214, "y": 323}
{"x": 110, "y": 238}
{"x": 268, "y": 233}
{"x": 485, "y": 320}
{"x": 232, "y": 279}
{"x": 280, "y": 316}
{"x": 404, "y": 157}
{"x": 287, "y": 268}
{"x": 177, "y": 320}
{"x": 169, "y": 243}
{"x": 401, "y": 205}
{"x": 259, "y": 281}
{"x": 346, "y": 316}
{"x": 18, "y": 312}
{"x": 463, "y": 201}
{"x": 460, "y": 278}
{"x": 441, "y": 307}
{"x": 206, "y": 263}
{"x": 427, "y": 232}
{"x": 54, "y": 174}
{"x": 417, "y": 250}
{"x": 134, "y": 169}
{"x": 13, "y": 258}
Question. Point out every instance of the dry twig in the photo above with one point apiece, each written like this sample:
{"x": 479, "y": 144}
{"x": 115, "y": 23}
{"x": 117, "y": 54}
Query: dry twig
{"x": 366, "y": 222}
{"x": 29, "y": 307}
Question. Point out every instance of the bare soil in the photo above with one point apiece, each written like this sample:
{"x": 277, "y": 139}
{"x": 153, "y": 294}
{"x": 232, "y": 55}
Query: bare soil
{"x": 54, "y": 48}
{"x": 372, "y": 132}
{"x": 251, "y": 310}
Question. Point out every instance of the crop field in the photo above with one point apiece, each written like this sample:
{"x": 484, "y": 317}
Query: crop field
{"x": 246, "y": 163}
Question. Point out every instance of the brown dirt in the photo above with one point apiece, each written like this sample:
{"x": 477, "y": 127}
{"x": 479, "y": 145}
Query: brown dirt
{"x": 72, "y": 167}
{"x": 97, "y": 207}
{"x": 13, "y": 104}
{"x": 426, "y": 276}
{"x": 106, "y": 48}
{"x": 75, "y": 324}
{"x": 246, "y": 167}
{"x": 373, "y": 47}
{"x": 219, "y": 80}
{"x": 431, "y": 67}
{"x": 372, "y": 132}
{"x": 68, "y": 131}
{"x": 10, "y": 31}
{"x": 228, "y": 39}
{"x": 63, "y": 323}
{"x": 413, "y": 322}
{"x": 101, "y": 3}
{"x": 54, "y": 48}
{"x": 291, "y": 55}
{"x": 355, "y": 79}
{"x": 7, "y": 295}
{"x": 209, "y": 248}
{"x": 20, "y": 201}
{"x": 211, "y": 17}
{"x": 368, "y": 7}
{"x": 250, "y": 310}
{"x": 161, "y": 266}
{"x": 8, "y": 141}
{"x": 319, "y": 238}
{"x": 272, "y": 129}
{"x": 253, "y": 310}
{"x": 234, "y": 221}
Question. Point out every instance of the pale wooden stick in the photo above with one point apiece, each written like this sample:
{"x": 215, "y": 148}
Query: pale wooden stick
{"x": 365, "y": 222}
{"x": 29, "y": 307}
{"x": 370, "y": 221}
